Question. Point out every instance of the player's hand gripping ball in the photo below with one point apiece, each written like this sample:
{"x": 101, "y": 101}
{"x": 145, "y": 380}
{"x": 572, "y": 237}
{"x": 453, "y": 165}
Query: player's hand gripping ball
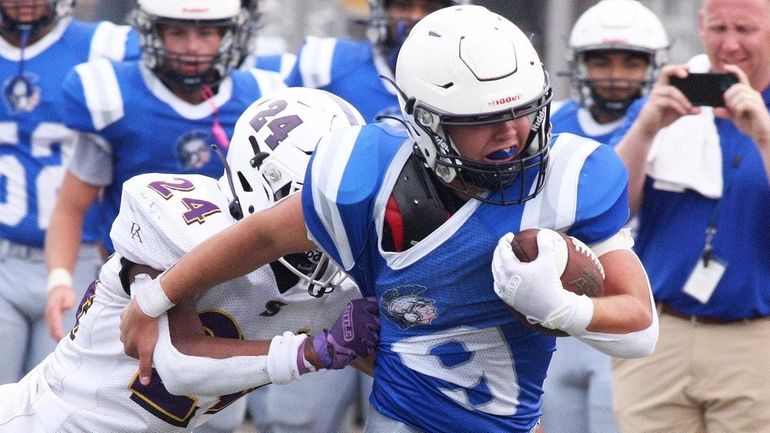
{"x": 581, "y": 271}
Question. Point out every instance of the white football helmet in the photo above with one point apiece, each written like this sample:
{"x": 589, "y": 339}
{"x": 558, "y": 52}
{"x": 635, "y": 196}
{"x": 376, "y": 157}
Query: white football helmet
{"x": 464, "y": 66}
{"x": 268, "y": 155}
{"x": 615, "y": 25}
{"x": 56, "y": 10}
{"x": 150, "y": 15}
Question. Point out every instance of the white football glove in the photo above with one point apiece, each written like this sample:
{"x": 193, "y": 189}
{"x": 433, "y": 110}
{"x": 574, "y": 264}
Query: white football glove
{"x": 534, "y": 289}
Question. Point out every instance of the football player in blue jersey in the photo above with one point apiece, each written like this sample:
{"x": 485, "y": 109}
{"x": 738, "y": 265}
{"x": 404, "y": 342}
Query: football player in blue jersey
{"x": 39, "y": 44}
{"x": 423, "y": 222}
{"x": 157, "y": 114}
{"x": 616, "y": 49}
{"x": 351, "y": 69}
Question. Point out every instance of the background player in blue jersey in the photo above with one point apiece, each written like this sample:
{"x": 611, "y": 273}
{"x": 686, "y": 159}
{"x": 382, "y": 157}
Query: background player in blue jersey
{"x": 700, "y": 180}
{"x": 159, "y": 114}
{"x": 616, "y": 49}
{"x": 351, "y": 69}
{"x": 417, "y": 219}
{"x": 39, "y": 44}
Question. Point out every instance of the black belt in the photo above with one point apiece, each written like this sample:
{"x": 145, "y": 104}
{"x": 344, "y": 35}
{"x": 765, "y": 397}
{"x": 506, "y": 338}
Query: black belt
{"x": 664, "y": 308}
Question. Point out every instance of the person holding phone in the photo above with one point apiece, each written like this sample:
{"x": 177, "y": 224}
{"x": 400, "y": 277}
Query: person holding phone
{"x": 699, "y": 183}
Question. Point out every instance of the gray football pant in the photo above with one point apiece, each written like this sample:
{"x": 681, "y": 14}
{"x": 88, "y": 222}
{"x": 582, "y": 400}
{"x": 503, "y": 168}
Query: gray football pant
{"x": 24, "y": 337}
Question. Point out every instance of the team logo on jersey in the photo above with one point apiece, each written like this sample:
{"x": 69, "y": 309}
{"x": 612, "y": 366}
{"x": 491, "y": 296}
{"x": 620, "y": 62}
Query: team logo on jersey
{"x": 272, "y": 308}
{"x": 20, "y": 93}
{"x": 406, "y": 308}
{"x": 135, "y": 229}
{"x": 193, "y": 150}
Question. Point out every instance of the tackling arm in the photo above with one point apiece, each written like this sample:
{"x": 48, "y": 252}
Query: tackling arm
{"x": 252, "y": 242}
{"x": 256, "y": 240}
{"x": 191, "y": 363}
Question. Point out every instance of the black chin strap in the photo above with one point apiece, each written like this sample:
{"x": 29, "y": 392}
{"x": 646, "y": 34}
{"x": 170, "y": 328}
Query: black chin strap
{"x": 235, "y": 203}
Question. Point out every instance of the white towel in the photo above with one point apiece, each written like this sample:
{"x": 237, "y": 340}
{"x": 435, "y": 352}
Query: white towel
{"x": 687, "y": 153}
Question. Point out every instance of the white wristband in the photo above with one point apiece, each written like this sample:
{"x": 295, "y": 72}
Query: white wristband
{"x": 282, "y": 358}
{"x": 58, "y": 277}
{"x": 150, "y": 296}
{"x": 581, "y": 314}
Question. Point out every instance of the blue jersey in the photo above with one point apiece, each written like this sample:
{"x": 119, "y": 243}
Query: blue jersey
{"x": 672, "y": 226}
{"x": 349, "y": 69}
{"x": 35, "y": 145}
{"x": 451, "y": 356}
{"x": 569, "y": 116}
{"x": 282, "y": 63}
{"x": 146, "y": 128}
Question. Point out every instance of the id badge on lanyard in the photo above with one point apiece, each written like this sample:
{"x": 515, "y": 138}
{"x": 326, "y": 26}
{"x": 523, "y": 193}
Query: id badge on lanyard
{"x": 708, "y": 271}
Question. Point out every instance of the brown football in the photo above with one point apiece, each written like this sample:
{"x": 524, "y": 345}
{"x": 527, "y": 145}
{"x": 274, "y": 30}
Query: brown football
{"x": 583, "y": 273}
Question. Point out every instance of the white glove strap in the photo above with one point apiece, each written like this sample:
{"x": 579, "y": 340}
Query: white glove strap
{"x": 282, "y": 358}
{"x": 150, "y": 296}
{"x": 58, "y": 277}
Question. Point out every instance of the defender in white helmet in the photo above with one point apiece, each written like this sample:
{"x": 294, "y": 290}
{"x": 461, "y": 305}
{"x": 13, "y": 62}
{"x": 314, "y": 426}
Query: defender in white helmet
{"x": 616, "y": 50}
{"x": 222, "y": 346}
{"x": 423, "y": 220}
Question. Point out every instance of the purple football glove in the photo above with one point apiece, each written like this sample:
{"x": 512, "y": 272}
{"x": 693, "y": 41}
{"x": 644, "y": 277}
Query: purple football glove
{"x": 355, "y": 333}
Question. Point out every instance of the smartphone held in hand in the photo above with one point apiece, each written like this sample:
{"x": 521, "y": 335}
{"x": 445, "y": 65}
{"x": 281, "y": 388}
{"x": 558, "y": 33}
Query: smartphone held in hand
{"x": 705, "y": 89}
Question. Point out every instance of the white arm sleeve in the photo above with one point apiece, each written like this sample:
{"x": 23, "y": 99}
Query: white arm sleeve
{"x": 195, "y": 375}
{"x": 632, "y": 345}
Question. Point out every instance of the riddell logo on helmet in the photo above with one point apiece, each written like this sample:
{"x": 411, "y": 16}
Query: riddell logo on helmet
{"x": 504, "y": 100}
{"x": 611, "y": 41}
{"x": 195, "y": 10}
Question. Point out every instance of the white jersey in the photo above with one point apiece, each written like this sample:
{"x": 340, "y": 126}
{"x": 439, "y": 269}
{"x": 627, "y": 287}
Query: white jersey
{"x": 93, "y": 385}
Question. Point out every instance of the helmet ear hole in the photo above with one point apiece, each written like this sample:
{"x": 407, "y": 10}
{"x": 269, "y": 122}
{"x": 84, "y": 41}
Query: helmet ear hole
{"x": 245, "y": 185}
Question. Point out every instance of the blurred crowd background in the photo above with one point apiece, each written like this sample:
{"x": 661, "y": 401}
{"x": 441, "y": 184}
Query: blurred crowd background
{"x": 287, "y": 22}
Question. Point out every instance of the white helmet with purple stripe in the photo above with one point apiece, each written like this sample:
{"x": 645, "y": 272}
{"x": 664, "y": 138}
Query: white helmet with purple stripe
{"x": 268, "y": 156}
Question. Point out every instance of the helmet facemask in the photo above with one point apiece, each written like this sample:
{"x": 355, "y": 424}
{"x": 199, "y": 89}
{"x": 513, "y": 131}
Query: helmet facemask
{"x": 585, "y": 88}
{"x": 210, "y": 69}
{"x": 614, "y": 26}
{"x": 478, "y": 178}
